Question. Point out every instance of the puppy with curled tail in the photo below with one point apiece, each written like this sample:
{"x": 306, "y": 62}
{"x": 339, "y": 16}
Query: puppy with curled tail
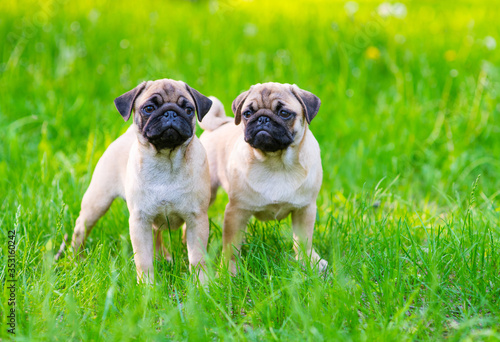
{"x": 268, "y": 162}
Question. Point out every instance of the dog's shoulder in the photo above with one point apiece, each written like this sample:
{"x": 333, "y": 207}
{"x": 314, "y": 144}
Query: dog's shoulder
{"x": 309, "y": 152}
{"x": 196, "y": 161}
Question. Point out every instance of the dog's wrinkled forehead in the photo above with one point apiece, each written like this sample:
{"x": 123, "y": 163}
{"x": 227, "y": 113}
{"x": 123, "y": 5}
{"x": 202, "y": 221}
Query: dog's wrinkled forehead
{"x": 269, "y": 95}
{"x": 169, "y": 91}
{"x": 277, "y": 97}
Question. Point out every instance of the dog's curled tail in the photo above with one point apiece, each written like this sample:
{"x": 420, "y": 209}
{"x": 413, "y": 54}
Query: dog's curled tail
{"x": 215, "y": 117}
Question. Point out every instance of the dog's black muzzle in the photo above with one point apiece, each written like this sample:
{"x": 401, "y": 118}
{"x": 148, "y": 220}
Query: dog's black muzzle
{"x": 267, "y": 132}
{"x": 169, "y": 128}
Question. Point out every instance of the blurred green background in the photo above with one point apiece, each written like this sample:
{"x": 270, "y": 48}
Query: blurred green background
{"x": 409, "y": 120}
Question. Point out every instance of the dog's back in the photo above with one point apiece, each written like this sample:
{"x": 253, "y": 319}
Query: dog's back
{"x": 216, "y": 117}
{"x": 220, "y": 134}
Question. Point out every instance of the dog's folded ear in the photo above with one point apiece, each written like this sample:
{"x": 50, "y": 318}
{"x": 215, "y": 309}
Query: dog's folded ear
{"x": 125, "y": 102}
{"x": 310, "y": 102}
{"x": 237, "y": 104}
{"x": 202, "y": 103}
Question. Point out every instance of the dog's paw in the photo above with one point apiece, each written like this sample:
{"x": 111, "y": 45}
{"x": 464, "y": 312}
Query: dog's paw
{"x": 202, "y": 278}
{"x": 167, "y": 257}
{"x": 79, "y": 255}
{"x": 322, "y": 265}
{"x": 163, "y": 254}
{"x": 230, "y": 267}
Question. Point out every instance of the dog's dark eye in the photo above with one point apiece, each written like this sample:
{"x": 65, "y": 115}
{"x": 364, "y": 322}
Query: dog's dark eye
{"x": 148, "y": 109}
{"x": 247, "y": 114}
{"x": 189, "y": 110}
{"x": 284, "y": 114}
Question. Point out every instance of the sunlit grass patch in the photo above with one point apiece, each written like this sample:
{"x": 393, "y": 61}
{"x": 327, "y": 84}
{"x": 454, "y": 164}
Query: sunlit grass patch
{"x": 409, "y": 119}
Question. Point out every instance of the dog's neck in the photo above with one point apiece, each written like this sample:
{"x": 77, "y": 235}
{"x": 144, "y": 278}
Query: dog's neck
{"x": 285, "y": 157}
{"x": 173, "y": 158}
{"x": 270, "y": 170}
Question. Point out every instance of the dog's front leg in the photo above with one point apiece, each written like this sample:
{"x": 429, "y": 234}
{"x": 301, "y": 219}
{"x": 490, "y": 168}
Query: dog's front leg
{"x": 235, "y": 222}
{"x": 303, "y": 228}
{"x": 197, "y": 231}
{"x": 141, "y": 234}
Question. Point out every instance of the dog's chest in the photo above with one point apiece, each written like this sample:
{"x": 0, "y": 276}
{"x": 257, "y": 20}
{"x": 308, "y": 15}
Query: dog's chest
{"x": 161, "y": 189}
{"x": 166, "y": 193}
{"x": 273, "y": 194}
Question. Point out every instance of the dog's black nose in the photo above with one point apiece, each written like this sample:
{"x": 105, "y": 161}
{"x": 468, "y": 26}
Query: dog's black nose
{"x": 263, "y": 120}
{"x": 170, "y": 113}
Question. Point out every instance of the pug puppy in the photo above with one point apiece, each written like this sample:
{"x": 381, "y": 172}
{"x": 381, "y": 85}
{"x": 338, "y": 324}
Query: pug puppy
{"x": 160, "y": 168}
{"x": 270, "y": 166}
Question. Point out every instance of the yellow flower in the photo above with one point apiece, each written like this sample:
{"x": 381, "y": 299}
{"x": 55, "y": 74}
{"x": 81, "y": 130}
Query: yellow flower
{"x": 450, "y": 55}
{"x": 372, "y": 52}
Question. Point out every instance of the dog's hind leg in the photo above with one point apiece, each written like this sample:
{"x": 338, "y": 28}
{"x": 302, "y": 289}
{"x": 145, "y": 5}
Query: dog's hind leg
{"x": 95, "y": 204}
{"x": 161, "y": 251}
{"x": 106, "y": 184}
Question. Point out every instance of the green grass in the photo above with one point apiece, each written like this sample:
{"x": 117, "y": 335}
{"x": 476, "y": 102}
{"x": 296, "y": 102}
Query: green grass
{"x": 409, "y": 120}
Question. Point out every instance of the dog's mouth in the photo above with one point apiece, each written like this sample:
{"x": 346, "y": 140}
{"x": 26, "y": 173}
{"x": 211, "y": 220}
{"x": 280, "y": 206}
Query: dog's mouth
{"x": 169, "y": 134}
{"x": 164, "y": 133}
{"x": 269, "y": 139}
{"x": 264, "y": 134}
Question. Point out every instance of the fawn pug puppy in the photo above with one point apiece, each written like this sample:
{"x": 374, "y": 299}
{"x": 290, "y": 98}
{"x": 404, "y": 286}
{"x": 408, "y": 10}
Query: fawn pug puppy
{"x": 160, "y": 168}
{"x": 270, "y": 166}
